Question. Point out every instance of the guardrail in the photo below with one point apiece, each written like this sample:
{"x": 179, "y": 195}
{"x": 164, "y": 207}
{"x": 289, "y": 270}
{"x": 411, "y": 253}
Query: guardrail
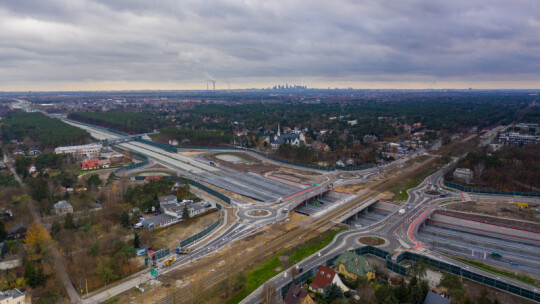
{"x": 401, "y": 270}
{"x": 489, "y": 191}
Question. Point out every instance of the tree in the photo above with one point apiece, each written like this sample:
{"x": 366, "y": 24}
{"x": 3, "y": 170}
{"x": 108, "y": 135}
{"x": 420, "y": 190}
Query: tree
{"x": 454, "y": 285}
{"x": 402, "y": 292}
{"x": 37, "y": 238}
{"x": 484, "y": 297}
{"x": 68, "y": 221}
{"x": 384, "y": 295}
{"x": 125, "y": 253}
{"x": 185, "y": 213}
{"x": 94, "y": 181}
{"x": 136, "y": 240}
{"x": 418, "y": 269}
{"x": 124, "y": 219}
{"x": 111, "y": 178}
{"x": 5, "y": 249}
{"x": 94, "y": 251}
{"x": 332, "y": 292}
{"x": 55, "y": 228}
{"x": 3, "y": 232}
{"x": 269, "y": 293}
{"x": 33, "y": 277}
{"x": 105, "y": 271}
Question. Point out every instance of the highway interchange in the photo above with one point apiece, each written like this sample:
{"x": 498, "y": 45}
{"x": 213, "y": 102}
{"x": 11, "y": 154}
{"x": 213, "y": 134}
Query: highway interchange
{"x": 400, "y": 231}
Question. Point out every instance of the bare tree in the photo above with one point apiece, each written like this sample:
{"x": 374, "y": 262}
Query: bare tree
{"x": 269, "y": 293}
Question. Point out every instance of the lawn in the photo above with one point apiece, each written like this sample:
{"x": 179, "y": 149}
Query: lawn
{"x": 522, "y": 278}
{"x": 312, "y": 245}
{"x": 400, "y": 190}
{"x": 258, "y": 275}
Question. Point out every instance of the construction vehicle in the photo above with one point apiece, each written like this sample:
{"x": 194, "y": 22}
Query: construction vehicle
{"x": 170, "y": 261}
{"x": 182, "y": 250}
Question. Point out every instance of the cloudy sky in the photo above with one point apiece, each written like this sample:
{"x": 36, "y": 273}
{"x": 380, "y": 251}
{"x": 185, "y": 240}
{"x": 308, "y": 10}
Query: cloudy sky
{"x": 179, "y": 44}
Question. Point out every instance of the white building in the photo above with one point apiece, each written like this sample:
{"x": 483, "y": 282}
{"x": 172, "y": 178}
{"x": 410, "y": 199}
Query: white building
{"x": 292, "y": 139}
{"x": 84, "y": 151}
{"x": 62, "y": 207}
{"x": 463, "y": 174}
{"x": 13, "y": 296}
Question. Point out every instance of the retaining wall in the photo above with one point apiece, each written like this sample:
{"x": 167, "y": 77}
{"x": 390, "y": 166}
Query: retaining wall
{"x": 493, "y": 230}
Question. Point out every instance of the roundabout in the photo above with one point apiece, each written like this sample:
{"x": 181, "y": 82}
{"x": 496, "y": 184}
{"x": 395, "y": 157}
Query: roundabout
{"x": 372, "y": 241}
{"x": 257, "y": 213}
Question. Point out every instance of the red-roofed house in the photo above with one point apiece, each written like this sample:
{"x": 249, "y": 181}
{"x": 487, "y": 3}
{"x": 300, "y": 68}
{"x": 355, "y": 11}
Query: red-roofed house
{"x": 326, "y": 276}
{"x": 152, "y": 178}
{"x": 91, "y": 163}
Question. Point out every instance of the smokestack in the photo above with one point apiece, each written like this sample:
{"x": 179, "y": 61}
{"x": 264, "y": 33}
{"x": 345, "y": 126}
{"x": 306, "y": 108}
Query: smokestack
{"x": 214, "y": 84}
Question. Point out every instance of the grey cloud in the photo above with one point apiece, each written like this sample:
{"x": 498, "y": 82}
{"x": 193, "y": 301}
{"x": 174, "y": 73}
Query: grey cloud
{"x": 182, "y": 41}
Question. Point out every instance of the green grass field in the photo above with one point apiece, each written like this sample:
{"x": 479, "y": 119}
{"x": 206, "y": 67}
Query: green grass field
{"x": 522, "y": 278}
{"x": 267, "y": 269}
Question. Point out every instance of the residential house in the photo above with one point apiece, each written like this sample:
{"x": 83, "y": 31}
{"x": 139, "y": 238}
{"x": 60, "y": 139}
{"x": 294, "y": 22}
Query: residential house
{"x": 320, "y": 147}
{"x": 31, "y": 169}
{"x": 105, "y": 163}
{"x": 34, "y": 151}
{"x": 463, "y": 174}
{"x": 296, "y": 295}
{"x": 265, "y": 139}
{"x": 13, "y": 296}
{"x": 62, "y": 207}
{"x": 353, "y": 266}
{"x": 90, "y": 164}
{"x": 153, "y": 178}
{"x": 352, "y": 122}
{"x": 433, "y": 298}
{"x": 173, "y": 142}
{"x": 324, "y": 277}
{"x": 18, "y": 231}
{"x": 168, "y": 199}
{"x": 18, "y": 151}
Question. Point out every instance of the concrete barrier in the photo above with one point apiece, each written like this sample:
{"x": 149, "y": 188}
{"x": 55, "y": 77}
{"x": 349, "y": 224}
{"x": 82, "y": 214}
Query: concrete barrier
{"x": 485, "y": 228}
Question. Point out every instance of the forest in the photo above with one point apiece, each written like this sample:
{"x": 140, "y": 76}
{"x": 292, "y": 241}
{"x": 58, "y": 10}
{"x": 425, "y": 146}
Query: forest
{"x": 187, "y": 137}
{"x": 511, "y": 168}
{"x": 43, "y": 131}
{"x": 129, "y": 122}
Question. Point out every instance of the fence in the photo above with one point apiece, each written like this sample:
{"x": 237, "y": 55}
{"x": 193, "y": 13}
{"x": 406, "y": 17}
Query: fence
{"x": 162, "y": 253}
{"x": 142, "y": 163}
{"x": 209, "y": 229}
{"x": 205, "y": 188}
{"x": 489, "y": 191}
{"x": 401, "y": 270}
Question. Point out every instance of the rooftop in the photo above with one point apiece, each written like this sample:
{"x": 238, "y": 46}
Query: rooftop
{"x": 88, "y": 146}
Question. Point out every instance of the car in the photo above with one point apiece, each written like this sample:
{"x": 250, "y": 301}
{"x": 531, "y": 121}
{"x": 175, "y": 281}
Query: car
{"x": 514, "y": 263}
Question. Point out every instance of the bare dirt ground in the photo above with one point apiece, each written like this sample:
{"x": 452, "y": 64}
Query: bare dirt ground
{"x": 251, "y": 164}
{"x": 217, "y": 260}
{"x": 190, "y": 153}
{"x": 504, "y": 213}
{"x": 475, "y": 289}
{"x": 169, "y": 237}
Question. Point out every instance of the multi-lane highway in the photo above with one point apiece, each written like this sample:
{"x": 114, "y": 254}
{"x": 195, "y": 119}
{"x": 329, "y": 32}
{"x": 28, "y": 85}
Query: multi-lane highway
{"x": 399, "y": 231}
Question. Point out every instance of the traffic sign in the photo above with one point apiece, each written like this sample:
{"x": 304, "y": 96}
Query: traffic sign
{"x": 153, "y": 272}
